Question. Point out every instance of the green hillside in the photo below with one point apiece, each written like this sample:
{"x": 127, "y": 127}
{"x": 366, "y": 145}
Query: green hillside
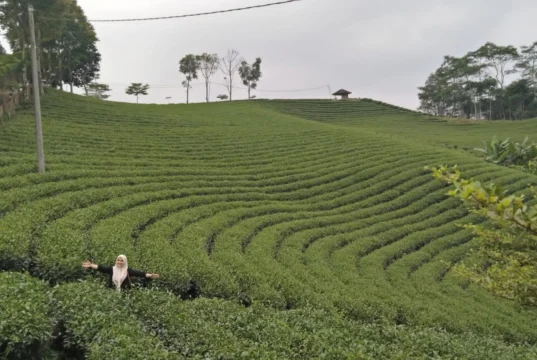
{"x": 381, "y": 118}
{"x": 300, "y": 229}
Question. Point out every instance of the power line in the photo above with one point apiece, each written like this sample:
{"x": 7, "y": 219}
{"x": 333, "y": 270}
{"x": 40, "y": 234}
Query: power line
{"x": 275, "y": 91}
{"x": 157, "y": 86}
{"x": 188, "y": 15}
{"x": 171, "y": 86}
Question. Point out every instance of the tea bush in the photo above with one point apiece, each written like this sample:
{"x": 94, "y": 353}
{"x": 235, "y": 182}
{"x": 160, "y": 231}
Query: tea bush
{"x": 252, "y": 204}
{"x": 25, "y": 321}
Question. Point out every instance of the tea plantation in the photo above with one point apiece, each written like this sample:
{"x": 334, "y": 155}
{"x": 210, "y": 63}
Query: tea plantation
{"x": 280, "y": 229}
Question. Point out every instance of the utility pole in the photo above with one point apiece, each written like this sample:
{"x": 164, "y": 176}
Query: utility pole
{"x": 37, "y": 98}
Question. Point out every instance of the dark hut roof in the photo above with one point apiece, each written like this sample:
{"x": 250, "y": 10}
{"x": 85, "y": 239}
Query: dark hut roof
{"x": 342, "y": 92}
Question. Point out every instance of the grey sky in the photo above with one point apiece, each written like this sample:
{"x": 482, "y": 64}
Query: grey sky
{"x": 381, "y": 49}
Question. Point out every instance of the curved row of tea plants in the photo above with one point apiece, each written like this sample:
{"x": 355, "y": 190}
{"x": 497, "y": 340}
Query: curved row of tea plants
{"x": 84, "y": 320}
{"x": 382, "y": 119}
{"x": 242, "y": 203}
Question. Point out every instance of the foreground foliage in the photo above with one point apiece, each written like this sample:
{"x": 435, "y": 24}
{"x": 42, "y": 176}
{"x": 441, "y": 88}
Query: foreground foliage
{"x": 92, "y": 322}
{"x": 506, "y": 257}
{"x": 522, "y": 156}
{"x": 25, "y": 317}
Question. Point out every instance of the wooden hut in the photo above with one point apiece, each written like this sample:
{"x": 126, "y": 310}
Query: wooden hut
{"x": 343, "y": 93}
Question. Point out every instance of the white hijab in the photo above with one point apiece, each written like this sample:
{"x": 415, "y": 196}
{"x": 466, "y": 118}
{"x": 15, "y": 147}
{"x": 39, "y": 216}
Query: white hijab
{"x": 119, "y": 274}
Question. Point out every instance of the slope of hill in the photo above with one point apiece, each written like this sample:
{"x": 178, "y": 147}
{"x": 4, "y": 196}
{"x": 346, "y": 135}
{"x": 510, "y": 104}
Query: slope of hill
{"x": 297, "y": 220}
{"x": 381, "y": 118}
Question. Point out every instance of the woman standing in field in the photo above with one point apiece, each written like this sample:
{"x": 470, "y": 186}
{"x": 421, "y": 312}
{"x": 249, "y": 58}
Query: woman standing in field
{"x": 119, "y": 274}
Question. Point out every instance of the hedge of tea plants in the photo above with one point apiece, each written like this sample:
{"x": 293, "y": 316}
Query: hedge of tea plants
{"x": 392, "y": 121}
{"x": 83, "y": 320}
{"x": 249, "y": 207}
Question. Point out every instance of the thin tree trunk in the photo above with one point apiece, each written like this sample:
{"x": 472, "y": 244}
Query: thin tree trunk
{"x": 49, "y": 75}
{"x": 60, "y": 72}
{"x": 70, "y": 73}
{"x": 207, "y": 89}
{"x": 25, "y": 77}
{"x": 25, "y": 84}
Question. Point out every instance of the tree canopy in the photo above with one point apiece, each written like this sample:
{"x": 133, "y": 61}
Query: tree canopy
{"x": 250, "y": 74}
{"x": 189, "y": 65}
{"x": 137, "y": 89}
{"x": 98, "y": 90}
{"x": 229, "y": 66}
{"x": 66, "y": 41}
{"x": 209, "y": 64}
{"x": 475, "y": 85}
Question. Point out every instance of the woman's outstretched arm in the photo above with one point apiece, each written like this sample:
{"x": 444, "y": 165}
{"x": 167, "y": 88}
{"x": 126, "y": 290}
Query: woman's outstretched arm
{"x": 138, "y": 273}
{"x": 100, "y": 268}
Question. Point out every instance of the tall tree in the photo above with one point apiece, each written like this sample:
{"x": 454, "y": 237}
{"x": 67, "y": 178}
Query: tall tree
{"x": 498, "y": 59}
{"x": 501, "y": 58}
{"x": 250, "y": 74}
{"x": 10, "y": 67}
{"x": 229, "y": 65}
{"x": 14, "y": 19}
{"x": 79, "y": 49}
{"x": 527, "y": 64}
{"x": 447, "y": 91}
{"x": 209, "y": 64}
{"x": 521, "y": 100}
{"x": 66, "y": 44}
{"x": 434, "y": 95}
{"x": 137, "y": 89}
{"x": 52, "y": 46}
{"x": 86, "y": 66}
{"x": 189, "y": 65}
{"x": 98, "y": 90}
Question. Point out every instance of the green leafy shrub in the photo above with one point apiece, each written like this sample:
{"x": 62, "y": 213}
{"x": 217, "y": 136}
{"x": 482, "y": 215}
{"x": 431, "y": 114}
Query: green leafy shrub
{"x": 25, "y": 321}
{"x": 219, "y": 329}
{"x": 97, "y": 321}
{"x": 508, "y": 152}
{"x": 506, "y": 256}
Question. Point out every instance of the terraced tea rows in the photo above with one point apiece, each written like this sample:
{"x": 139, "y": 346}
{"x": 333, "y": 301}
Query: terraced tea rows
{"x": 209, "y": 328}
{"x": 243, "y": 203}
{"x": 383, "y": 119}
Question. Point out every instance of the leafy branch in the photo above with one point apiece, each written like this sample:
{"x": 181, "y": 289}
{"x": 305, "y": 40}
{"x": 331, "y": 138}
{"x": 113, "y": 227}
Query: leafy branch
{"x": 506, "y": 257}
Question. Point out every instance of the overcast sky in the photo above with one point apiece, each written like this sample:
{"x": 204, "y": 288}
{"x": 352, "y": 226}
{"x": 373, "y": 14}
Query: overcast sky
{"x": 380, "y": 49}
